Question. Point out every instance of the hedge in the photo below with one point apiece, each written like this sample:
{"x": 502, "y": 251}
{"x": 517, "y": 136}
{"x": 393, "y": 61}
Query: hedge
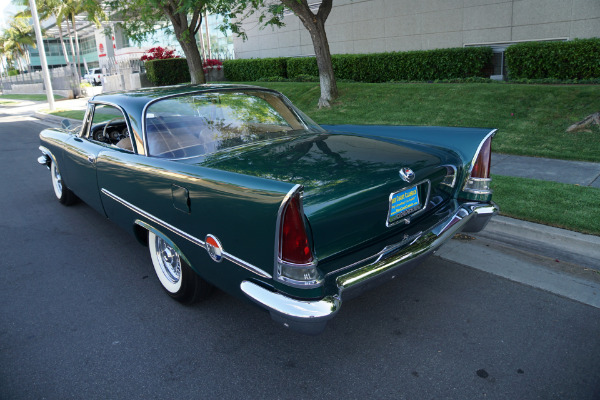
{"x": 576, "y": 59}
{"x": 254, "y": 69}
{"x": 377, "y": 67}
{"x": 167, "y": 72}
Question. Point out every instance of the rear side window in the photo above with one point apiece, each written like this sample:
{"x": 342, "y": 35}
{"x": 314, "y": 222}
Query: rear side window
{"x": 203, "y": 123}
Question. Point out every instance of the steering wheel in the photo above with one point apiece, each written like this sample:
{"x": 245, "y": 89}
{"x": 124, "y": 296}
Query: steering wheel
{"x": 104, "y": 135}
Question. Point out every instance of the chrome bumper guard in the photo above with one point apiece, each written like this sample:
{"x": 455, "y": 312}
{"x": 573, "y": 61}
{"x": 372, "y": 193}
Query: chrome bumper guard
{"x": 311, "y": 317}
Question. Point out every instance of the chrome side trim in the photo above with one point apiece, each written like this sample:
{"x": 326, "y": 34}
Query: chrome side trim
{"x": 193, "y": 239}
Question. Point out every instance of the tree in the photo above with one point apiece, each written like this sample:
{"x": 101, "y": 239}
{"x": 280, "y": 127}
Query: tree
{"x": 47, "y": 9}
{"x": 272, "y": 14}
{"x": 16, "y": 38}
{"x": 315, "y": 24}
{"x": 184, "y": 16}
{"x": 65, "y": 10}
{"x": 94, "y": 13}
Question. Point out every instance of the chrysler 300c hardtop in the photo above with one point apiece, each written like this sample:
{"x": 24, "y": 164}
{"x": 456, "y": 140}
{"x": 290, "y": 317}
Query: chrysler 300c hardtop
{"x": 233, "y": 186}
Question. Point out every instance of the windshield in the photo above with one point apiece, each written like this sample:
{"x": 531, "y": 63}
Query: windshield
{"x": 203, "y": 123}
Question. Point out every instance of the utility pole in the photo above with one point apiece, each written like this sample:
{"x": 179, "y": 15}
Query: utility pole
{"x": 42, "y": 51}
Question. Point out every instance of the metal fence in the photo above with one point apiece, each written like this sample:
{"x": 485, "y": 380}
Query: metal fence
{"x": 62, "y": 78}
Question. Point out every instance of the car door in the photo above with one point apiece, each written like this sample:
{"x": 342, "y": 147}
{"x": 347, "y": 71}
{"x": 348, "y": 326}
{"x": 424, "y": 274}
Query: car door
{"x": 82, "y": 152}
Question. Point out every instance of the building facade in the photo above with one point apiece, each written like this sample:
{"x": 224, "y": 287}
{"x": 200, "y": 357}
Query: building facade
{"x": 373, "y": 26}
{"x": 104, "y": 50}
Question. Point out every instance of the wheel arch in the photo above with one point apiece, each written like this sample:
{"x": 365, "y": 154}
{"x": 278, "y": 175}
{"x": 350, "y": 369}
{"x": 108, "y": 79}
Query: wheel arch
{"x": 141, "y": 229}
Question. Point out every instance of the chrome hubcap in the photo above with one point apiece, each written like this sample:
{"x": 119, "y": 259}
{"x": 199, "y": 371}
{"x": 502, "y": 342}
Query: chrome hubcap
{"x": 168, "y": 258}
{"x": 56, "y": 181}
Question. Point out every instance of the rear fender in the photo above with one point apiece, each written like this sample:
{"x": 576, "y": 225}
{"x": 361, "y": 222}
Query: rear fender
{"x": 465, "y": 142}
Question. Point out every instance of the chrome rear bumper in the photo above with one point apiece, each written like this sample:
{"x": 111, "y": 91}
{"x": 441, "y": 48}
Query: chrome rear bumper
{"x": 311, "y": 316}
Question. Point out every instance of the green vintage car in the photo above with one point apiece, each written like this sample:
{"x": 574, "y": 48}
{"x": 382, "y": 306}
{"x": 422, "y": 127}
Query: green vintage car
{"x": 233, "y": 186}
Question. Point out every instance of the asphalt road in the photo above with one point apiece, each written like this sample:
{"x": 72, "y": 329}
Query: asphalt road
{"x": 83, "y": 316}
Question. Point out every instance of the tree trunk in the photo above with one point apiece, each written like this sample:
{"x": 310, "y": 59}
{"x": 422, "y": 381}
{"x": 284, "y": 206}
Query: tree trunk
{"x": 78, "y": 49}
{"x": 185, "y": 32}
{"x": 315, "y": 24}
{"x": 585, "y": 123}
{"x": 62, "y": 42}
{"x": 74, "y": 54}
{"x": 194, "y": 61}
{"x": 329, "y": 90}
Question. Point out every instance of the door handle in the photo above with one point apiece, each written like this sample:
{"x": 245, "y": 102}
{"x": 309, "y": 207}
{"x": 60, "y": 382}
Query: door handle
{"x": 92, "y": 158}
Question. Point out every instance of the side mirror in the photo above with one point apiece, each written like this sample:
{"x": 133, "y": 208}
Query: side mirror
{"x": 66, "y": 124}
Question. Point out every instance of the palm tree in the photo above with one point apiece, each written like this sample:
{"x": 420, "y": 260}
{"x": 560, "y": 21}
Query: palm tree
{"x": 16, "y": 38}
{"x": 94, "y": 12}
{"x": 47, "y": 9}
{"x": 66, "y": 10}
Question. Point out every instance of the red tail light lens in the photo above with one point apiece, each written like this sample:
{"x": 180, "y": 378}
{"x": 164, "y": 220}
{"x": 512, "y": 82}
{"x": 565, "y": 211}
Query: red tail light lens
{"x": 293, "y": 245}
{"x": 481, "y": 169}
{"x": 477, "y": 186}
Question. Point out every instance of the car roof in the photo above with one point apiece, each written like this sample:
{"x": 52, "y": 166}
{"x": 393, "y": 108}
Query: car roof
{"x": 134, "y": 101}
{"x": 143, "y": 96}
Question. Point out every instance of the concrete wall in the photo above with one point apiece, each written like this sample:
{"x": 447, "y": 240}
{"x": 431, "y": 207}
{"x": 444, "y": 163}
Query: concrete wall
{"x": 368, "y": 26}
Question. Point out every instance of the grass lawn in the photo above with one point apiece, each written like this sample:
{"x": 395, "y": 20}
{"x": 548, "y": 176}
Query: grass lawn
{"x": 531, "y": 118}
{"x": 75, "y": 114}
{"x": 80, "y": 114}
{"x": 32, "y": 97}
{"x": 551, "y": 203}
{"x": 8, "y": 103}
{"x": 540, "y": 114}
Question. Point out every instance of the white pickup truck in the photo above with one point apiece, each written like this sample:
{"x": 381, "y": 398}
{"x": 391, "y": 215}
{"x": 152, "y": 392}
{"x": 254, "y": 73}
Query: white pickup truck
{"x": 94, "y": 76}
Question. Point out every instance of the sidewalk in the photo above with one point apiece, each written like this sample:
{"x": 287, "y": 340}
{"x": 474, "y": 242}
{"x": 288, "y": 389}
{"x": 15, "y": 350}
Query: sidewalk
{"x": 573, "y": 172}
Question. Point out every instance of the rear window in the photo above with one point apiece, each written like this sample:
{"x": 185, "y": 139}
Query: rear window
{"x": 203, "y": 123}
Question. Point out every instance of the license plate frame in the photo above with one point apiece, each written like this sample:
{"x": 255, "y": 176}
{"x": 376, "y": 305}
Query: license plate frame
{"x": 407, "y": 203}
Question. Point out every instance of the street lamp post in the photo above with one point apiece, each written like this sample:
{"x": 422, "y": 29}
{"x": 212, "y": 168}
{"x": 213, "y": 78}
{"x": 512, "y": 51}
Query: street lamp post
{"x": 42, "y": 51}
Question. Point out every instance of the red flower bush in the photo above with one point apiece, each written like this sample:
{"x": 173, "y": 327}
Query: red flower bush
{"x": 211, "y": 63}
{"x": 158, "y": 53}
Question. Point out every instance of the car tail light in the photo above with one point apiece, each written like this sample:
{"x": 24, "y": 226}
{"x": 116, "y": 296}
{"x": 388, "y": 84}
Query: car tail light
{"x": 478, "y": 182}
{"x": 294, "y": 246}
{"x": 481, "y": 169}
{"x": 296, "y": 265}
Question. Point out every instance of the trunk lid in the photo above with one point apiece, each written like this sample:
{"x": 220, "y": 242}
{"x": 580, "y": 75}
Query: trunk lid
{"x": 348, "y": 181}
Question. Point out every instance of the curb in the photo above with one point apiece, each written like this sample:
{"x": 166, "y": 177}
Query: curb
{"x": 53, "y": 118}
{"x": 563, "y": 239}
{"x": 575, "y": 247}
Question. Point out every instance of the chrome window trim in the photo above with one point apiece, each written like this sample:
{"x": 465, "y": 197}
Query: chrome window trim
{"x": 185, "y": 235}
{"x": 125, "y": 117}
{"x": 408, "y": 218}
{"x": 278, "y": 261}
{"x": 87, "y": 119}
